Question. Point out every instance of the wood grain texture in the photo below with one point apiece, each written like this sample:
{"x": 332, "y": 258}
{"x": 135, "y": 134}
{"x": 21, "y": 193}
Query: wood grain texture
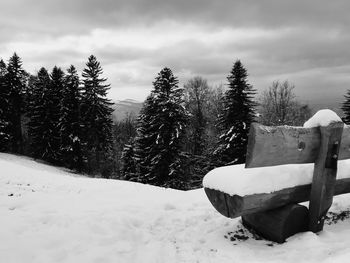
{"x": 269, "y": 146}
{"x": 278, "y": 224}
{"x": 233, "y": 206}
{"x": 324, "y": 177}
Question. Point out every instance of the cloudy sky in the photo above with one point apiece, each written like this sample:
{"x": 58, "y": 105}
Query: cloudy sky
{"x": 304, "y": 41}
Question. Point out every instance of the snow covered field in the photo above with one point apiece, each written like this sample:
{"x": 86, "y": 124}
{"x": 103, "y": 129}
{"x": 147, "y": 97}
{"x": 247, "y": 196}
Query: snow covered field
{"x": 49, "y": 215}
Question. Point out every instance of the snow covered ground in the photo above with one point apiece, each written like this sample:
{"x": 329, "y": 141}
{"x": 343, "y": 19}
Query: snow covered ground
{"x": 49, "y": 215}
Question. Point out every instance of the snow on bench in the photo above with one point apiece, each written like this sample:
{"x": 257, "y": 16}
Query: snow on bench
{"x": 287, "y": 165}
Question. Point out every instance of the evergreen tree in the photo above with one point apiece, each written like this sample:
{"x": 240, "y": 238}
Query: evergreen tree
{"x": 124, "y": 132}
{"x": 346, "y": 108}
{"x": 4, "y": 108}
{"x": 97, "y": 118}
{"x": 236, "y": 117}
{"x": 53, "y": 108}
{"x": 44, "y": 112}
{"x": 128, "y": 171}
{"x": 30, "y": 101}
{"x": 70, "y": 122}
{"x": 161, "y": 126}
{"x": 16, "y": 82}
{"x": 38, "y": 90}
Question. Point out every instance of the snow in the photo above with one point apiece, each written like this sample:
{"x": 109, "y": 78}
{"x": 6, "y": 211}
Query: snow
{"x": 236, "y": 179}
{"x": 50, "y": 215}
{"x": 322, "y": 118}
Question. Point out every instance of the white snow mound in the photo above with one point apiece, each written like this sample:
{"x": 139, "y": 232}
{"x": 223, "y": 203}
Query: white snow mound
{"x": 322, "y": 118}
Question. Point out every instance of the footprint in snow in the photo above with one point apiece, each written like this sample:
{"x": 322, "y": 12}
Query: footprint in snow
{"x": 169, "y": 207}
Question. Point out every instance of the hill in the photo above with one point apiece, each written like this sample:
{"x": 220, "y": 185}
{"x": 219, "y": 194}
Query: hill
{"x": 129, "y": 106}
{"x": 124, "y": 107}
{"x": 51, "y": 215}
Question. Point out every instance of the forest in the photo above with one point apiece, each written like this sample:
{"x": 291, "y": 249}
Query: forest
{"x": 65, "y": 118}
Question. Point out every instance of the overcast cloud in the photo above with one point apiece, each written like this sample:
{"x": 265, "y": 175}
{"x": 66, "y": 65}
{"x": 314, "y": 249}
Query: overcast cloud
{"x": 305, "y": 42}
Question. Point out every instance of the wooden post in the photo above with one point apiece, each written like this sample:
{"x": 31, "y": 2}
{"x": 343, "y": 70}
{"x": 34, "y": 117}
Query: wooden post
{"x": 324, "y": 177}
{"x": 278, "y": 224}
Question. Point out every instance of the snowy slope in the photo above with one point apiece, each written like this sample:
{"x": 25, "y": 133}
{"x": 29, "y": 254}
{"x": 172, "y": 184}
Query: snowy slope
{"x": 49, "y": 215}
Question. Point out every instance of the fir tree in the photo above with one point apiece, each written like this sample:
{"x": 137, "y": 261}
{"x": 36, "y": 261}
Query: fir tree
{"x": 44, "y": 115}
{"x": 97, "y": 118}
{"x": 38, "y": 90}
{"x": 161, "y": 125}
{"x": 346, "y": 108}
{"x": 124, "y": 132}
{"x": 30, "y": 100}
{"x": 128, "y": 171}
{"x": 4, "y": 108}
{"x": 16, "y": 81}
{"x": 235, "y": 118}
{"x": 53, "y": 108}
{"x": 70, "y": 122}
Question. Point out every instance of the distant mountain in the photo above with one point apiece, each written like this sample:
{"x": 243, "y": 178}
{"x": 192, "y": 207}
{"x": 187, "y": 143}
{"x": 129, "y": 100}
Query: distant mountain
{"x": 129, "y": 106}
{"x": 124, "y": 107}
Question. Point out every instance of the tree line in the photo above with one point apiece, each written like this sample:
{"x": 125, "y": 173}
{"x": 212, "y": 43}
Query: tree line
{"x": 180, "y": 134}
{"x": 56, "y": 116}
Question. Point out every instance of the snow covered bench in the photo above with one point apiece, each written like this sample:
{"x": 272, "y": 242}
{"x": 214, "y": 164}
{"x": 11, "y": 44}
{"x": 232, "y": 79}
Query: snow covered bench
{"x": 287, "y": 165}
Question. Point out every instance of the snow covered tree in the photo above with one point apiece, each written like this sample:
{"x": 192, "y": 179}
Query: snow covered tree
{"x": 346, "y": 108}
{"x": 97, "y": 118}
{"x": 235, "y": 118}
{"x": 4, "y": 108}
{"x": 16, "y": 79}
{"x": 70, "y": 123}
{"x": 161, "y": 126}
{"x": 37, "y": 97}
{"x": 43, "y": 111}
{"x": 53, "y": 108}
{"x": 124, "y": 132}
{"x": 128, "y": 171}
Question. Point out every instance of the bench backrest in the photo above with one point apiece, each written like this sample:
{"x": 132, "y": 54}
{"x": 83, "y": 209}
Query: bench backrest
{"x": 269, "y": 146}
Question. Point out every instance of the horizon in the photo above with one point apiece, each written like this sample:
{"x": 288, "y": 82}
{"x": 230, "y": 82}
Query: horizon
{"x": 303, "y": 42}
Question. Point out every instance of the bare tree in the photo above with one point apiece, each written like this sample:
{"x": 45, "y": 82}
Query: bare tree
{"x": 279, "y": 106}
{"x": 197, "y": 92}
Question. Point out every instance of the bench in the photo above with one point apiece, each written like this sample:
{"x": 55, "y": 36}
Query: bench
{"x": 309, "y": 173}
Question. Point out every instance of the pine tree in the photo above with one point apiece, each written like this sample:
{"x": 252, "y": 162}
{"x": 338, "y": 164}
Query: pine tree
{"x": 97, "y": 118}
{"x": 38, "y": 90}
{"x": 53, "y": 108}
{"x": 129, "y": 171}
{"x": 16, "y": 81}
{"x": 44, "y": 113}
{"x": 161, "y": 126}
{"x": 70, "y": 122}
{"x": 236, "y": 117}
{"x": 346, "y": 108}
{"x": 4, "y": 108}
{"x": 30, "y": 100}
{"x": 124, "y": 132}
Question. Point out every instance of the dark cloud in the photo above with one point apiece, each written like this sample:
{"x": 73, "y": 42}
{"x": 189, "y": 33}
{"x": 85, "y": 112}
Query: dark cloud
{"x": 303, "y": 41}
{"x": 64, "y": 16}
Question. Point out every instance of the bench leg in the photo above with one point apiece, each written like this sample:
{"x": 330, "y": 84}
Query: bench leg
{"x": 278, "y": 224}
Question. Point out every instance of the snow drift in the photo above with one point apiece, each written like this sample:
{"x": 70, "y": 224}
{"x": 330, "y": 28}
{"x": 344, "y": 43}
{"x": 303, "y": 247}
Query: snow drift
{"x": 50, "y": 215}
